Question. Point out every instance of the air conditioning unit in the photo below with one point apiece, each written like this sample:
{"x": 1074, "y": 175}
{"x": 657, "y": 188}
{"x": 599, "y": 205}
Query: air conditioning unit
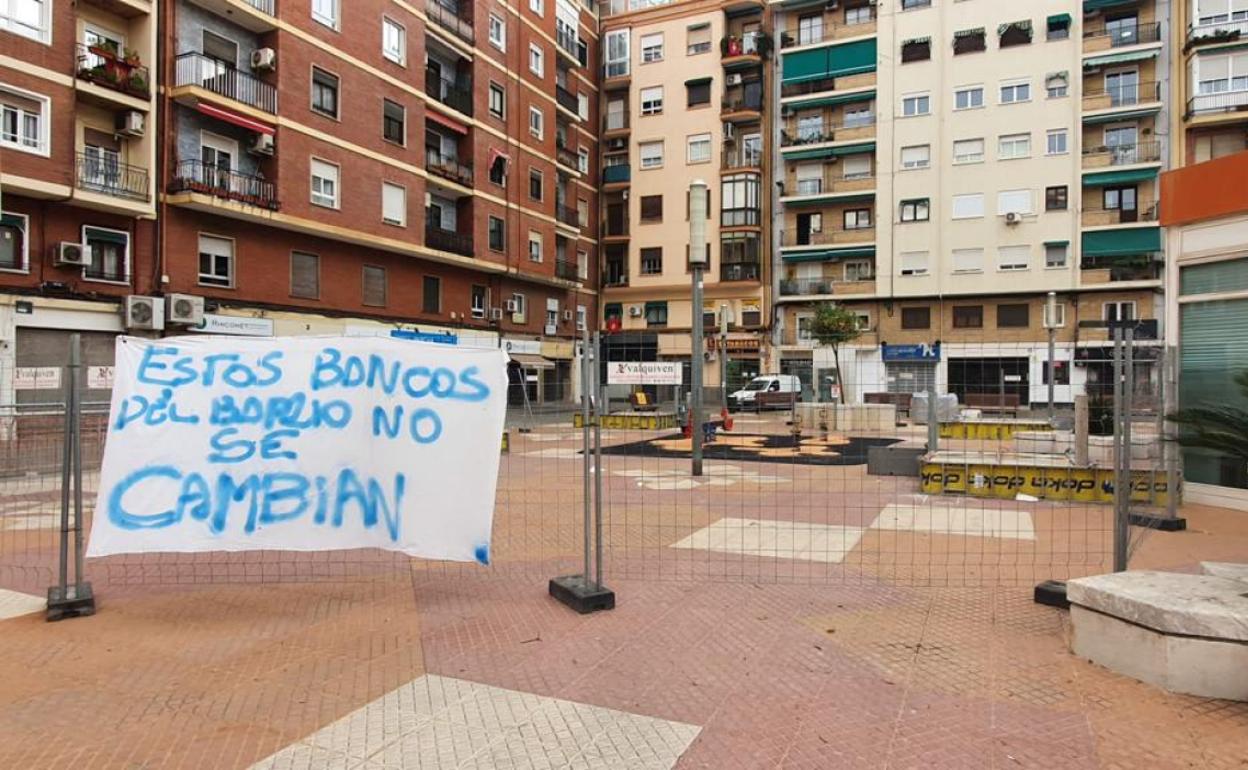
{"x": 264, "y": 59}
{"x": 144, "y": 313}
{"x": 262, "y": 145}
{"x": 73, "y": 254}
{"x": 131, "y": 123}
{"x": 733, "y": 79}
{"x": 567, "y": 315}
{"x": 496, "y": 314}
{"x": 634, "y": 311}
{"x": 730, "y": 132}
{"x": 186, "y": 309}
{"x": 511, "y": 305}
{"x": 1013, "y": 218}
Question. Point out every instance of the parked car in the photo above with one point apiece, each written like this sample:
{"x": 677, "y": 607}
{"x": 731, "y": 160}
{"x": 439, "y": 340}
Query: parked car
{"x": 767, "y": 391}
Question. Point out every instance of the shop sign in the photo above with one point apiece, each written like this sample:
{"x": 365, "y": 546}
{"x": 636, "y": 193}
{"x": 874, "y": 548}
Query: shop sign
{"x": 37, "y": 378}
{"x": 643, "y": 373}
{"x": 100, "y": 377}
{"x": 235, "y": 325}
{"x": 920, "y": 352}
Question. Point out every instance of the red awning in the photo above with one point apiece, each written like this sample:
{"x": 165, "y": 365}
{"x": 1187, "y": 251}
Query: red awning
{"x": 235, "y": 118}
{"x": 450, "y": 123}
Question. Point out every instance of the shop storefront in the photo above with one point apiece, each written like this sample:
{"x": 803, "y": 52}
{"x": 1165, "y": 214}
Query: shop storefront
{"x": 910, "y": 368}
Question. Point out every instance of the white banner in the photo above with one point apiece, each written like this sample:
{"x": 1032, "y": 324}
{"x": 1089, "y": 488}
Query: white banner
{"x": 301, "y": 444}
{"x": 643, "y": 373}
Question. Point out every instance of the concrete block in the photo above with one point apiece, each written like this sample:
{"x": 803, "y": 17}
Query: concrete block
{"x": 1225, "y": 569}
{"x": 1168, "y": 602}
{"x": 848, "y": 418}
{"x": 894, "y": 460}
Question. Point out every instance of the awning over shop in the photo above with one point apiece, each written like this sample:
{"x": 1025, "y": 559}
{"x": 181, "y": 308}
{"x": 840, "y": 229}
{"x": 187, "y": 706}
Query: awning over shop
{"x": 1120, "y": 58}
{"x": 1106, "y": 178}
{"x": 828, "y": 255}
{"x": 1114, "y": 117}
{"x": 829, "y": 101}
{"x": 531, "y": 361}
{"x": 1119, "y": 243}
{"x": 830, "y": 62}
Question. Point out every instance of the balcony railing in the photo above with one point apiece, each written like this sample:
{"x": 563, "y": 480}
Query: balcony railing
{"x": 828, "y": 185}
{"x": 1121, "y": 96}
{"x": 740, "y": 217}
{"x": 743, "y": 102}
{"x": 567, "y": 159}
{"x": 119, "y": 71}
{"x": 740, "y": 271}
{"x": 448, "y": 240}
{"x": 449, "y": 15}
{"x": 264, "y": 6}
{"x": 1225, "y": 101}
{"x": 741, "y": 158}
{"x": 616, "y": 275}
{"x": 1130, "y": 34}
{"x": 565, "y": 38}
{"x": 106, "y": 175}
{"x": 199, "y": 177}
{"x": 828, "y": 237}
{"x": 567, "y": 215}
{"x": 1092, "y": 273}
{"x": 195, "y": 69}
{"x": 567, "y": 270}
{"x": 620, "y": 173}
{"x": 1098, "y": 216}
{"x": 448, "y": 91}
{"x": 447, "y": 166}
{"x": 1215, "y": 31}
{"x": 806, "y": 287}
{"x": 861, "y": 24}
{"x": 795, "y": 134}
{"x": 1121, "y": 154}
{"x": 567, "y": 100}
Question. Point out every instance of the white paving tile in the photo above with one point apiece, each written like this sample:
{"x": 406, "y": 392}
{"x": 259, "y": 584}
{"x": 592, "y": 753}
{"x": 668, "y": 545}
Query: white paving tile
{"x": 974, "y": 522}
{"x": 15, "y": 604}
{"x": 441, "y": 722}
{"x": 776, "y": 539}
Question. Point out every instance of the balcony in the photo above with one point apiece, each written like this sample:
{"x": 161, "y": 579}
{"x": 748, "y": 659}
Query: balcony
{"x": 616, "y": 122}
{"x": 740, "y": 271}
{"x": 797, "y": 134}
{"x": 119, "y": 71}
{"x": 449, "y": 91}
{"x": 568, "y": 159}
{"x": 1146, "y": 211}
{"x": 1121, "y": 96}
{"x": 1101, "y": 271}
{"x": 107, "y": 176}
{"x": 746, "y": 50}
{"x": 447, "y": 167}
{"x": 263, "y": 6}
{"x": 829, "y": 185}
{"x": 620, "y": 173}
{"x": 791, "y": 239}
{"x": 1211, "y": 104}
{"x": 745, "y": 105}
{"x": 449, "y": 16}
{"x": 1121, "y": 155}
{"x": 1104, "y": 39}
{"x": 567, "y": 270}
{"x": 609, "y": 8}
{"x": 567, "y": 40}
{"x": 567, "y": 100}
{"x": 448, "y": 240}
{"x": 567, "y": 215}
{"x": 740, "y": 159}
{"x": 199, "y": 177}
{"x": 863, "y": 24}
{"x": 815, "y": 287}
{"x": 740, "y": 217}
{"x": 195, "y": 69}
{"x": 616, "y": 274}
{"x": 1218, "y": 31}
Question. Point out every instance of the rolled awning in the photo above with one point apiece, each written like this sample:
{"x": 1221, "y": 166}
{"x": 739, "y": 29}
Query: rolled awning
{"x": 828, "y": 101}
{"x": 1121, "y": 243}
{"x": 1114, "y": 117}
{"x": 1120, "y": 58}
{"x": 1106, "y": 178}
{"x": 532, "y": 361}
{"x": 827, "y": 255}
{"x": 242, "y": 121}
{"x": 1058, "y": 19}
{"x": 450, "y": 123}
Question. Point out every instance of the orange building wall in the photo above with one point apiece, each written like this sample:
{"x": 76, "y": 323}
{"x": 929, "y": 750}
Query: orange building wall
{"x": 1208, "y": 190}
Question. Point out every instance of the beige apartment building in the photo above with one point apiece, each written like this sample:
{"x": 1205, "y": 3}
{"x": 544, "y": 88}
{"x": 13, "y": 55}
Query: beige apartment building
{"x": 941, "y": 166}
{"x": 684, "y": 98}
{"x": 1210, "y": 76}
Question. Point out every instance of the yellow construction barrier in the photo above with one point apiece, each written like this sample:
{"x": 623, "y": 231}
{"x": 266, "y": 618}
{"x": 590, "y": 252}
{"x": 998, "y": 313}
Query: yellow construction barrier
{"x": 632, "y": 421}
{"x": 1007, "y": 480}
{"x": 991, "y": 430}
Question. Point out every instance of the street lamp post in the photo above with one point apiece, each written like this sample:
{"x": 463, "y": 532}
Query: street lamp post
{"x": 697, "y": 263}
{"x": 1050, "y": 323}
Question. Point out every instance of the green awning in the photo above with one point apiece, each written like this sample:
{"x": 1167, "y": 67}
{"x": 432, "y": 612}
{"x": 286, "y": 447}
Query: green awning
{"x": 1023, "y": 25}
{"x": 828, "y": 101}
{"x": 1120, "y": 58}
{"x": 1058, "y": 19}
{"x": 821, "y": 152}
{"x": 830, "y": 62}
{"x": 828, "y": 152}
{"x": 1114, "y": 117}
{"x": 854, "y": 149}
{"x": 107, "y": 236}
{"x": 1121, "y": 243}
{"x": 827, "y": 255}
{"x": 697, "y": 81}
{"x": 1100, "y": 5}
{"x": 814, "y": 199}
{"x": 968, "y": 32}
{"x": 1107, "y": 178}
{"x": 1057, "y": 243}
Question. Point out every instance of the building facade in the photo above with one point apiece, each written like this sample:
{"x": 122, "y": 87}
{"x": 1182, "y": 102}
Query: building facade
{"x": 1210, "y": 76}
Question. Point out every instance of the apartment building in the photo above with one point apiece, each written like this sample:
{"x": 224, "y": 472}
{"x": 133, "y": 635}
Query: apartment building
{"x": 941, "y": 166}
{"x": 684, "y": 90}
{"x": 318, "y": 166}
{"x": 1210, "y": 76}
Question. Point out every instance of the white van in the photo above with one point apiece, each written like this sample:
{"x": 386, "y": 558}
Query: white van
{"x": 767, "y": 391}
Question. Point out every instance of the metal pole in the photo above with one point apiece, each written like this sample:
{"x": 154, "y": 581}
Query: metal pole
{"x": 1050, "y": 320}
{"x": 75, "y": 378}
{"x": 933, "y": 421}
{"x": 1081, "y": 430}
{"x": 1171, "y": 452}
{"x": 602, "y": 409}
{"x": 723, "y": 354}
{"x": 1128, "y": 411}
{"x": 586, "y": 391}
{"x": 67, "y": 460}
{"x": 1120, "y": 555}
{"x": 697, "y": 261}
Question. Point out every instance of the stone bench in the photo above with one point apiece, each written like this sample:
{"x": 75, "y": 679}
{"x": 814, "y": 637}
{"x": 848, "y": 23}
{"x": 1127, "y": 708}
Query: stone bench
{"x": 1184, "y": 633}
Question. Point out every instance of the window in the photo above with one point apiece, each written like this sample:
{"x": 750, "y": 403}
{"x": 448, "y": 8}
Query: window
{"x": 479, "y": 300}
{"x": 916, "y": 210}
{"x": 580, "y": 318}
{"x": 859, "y": 270}
{"x": 968, "y": 206}
{"x": 498, "y": 32}
{"x": 374, "y": 286}
{"x": 498, "y": 168}
{"x": 1013, "y": 316}
{"x": 916, "y": 318}
{"x": 497, "y": 100}
{"x": 698, "y": 92}
{"x": 520, "y": 303}
{"x": 968, "y": 151}
{"x": 909, "y": 5}
{"x": 1215, "y": 74}
{"x": 1057, "y": 85}
{"x": 1014, "y": 33}
{"x": 1013, "y": 202}
{"x": 28, "y": 18}
{"x": 1059, "y": 27}
{"x": 1056, "y": 142}
{"x": 582, "y": 264}
{"x": 535, "y": 246}
{"x": 1056, "y": 254}
{"x": 740, "y": 200}
{"x": 394, "y": 122}
{"x": 431, "y": 294}
{"x": 917, "y": 156}
{"x": 582, "y": 160}
{"x": 857, "y": 219}
{"x": 1118, "y": 311}
{"x": 1013, "y": 258}
{"x": 110, "y": 254}
{"x": 651, "y": 47}
{"x": 538, "y": 7}
{"x": 698, "y": 39}
{"x": 1122, "y": 199}
{"x": 535, "y": 184}
{"x": 1061, "y": 370}
{"x": 305, "y": 275}
{"x": 700, "y": 148}
{"x": 216, "y": 261}
{"x": 652, "y": 208}
{"x": 324, "y": 184}
{"x": 496, "y": 234}
{"x": 1013, "y": 146}
{"x": 916, "y": 50}
{"x": 537, "y": 60}
{"x": 969, "y": 98}
{"x": 324, "y": 93}
{"x": 656, "y": 314}
{"x": 24, "y": 120}
{"x": 537, "y": 122}
{"x": 913, "y": 263}
{"x": 393, "y": 40}
{"x": 856, "y": 166}
{"x": 14, "y": 248}
{"x": 617, "y": 62}
{"x": 652, "y": 100}
{"x": 326, "y": 12}
{"x": 969, "y": 41}
{"x": 968, "y": 316}
{"x": 810, "y": 29}
{"x": 651, "y": 154}
{"x": 968, "y": 260}
{"x": 651, "y": 260}
{"x": 582, "y": 212}
{"x": 915, "y": 104}
{"x": 1055, "y": 198}
{"x": 1013, "y": 93}
{"x": 393, "y": 204}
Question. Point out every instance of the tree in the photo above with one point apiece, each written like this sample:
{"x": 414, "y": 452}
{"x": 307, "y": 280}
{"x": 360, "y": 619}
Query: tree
{"x": 1219, "y": 427}
{"x": 833, "y": 326}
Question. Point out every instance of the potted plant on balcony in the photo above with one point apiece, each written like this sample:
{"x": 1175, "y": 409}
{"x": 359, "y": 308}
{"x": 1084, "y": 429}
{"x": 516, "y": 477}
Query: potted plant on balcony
{"x": 763, "y": 44}
{"x": 132, "y": 58}
{"x": 137, "y": 86}
{"x": 105, "y": 49}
